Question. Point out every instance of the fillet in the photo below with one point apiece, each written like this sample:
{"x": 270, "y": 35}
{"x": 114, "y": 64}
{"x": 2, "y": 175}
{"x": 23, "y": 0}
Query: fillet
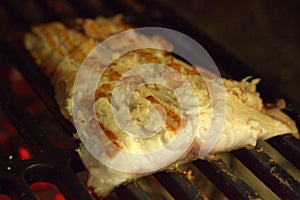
{"x": 59, "y": 50}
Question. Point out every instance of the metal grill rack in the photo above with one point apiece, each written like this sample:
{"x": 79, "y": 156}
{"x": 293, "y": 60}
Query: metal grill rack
{"x": 60, "y": 165}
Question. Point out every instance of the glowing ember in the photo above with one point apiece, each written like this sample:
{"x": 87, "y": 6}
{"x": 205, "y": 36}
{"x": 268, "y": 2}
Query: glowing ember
{"x": 59, "y": 196}
{"x": 43, "y": 190}
{"x": 24, "y": 153}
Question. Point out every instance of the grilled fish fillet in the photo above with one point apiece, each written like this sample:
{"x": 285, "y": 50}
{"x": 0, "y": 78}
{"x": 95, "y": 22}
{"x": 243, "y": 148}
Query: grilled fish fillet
{"x": 60, "y": 49}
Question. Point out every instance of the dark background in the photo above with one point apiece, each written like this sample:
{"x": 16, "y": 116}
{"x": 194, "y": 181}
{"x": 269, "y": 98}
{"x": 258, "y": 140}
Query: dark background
{"x": 263, "y": 34}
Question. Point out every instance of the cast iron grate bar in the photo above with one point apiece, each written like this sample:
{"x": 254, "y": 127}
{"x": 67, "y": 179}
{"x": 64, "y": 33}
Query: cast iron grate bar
{"x": 22, "y": 120}
{"x": 31, "y": 13}
{"x": 288, "y": 146}
{"x": 269, "y": 172}
{"x": 178, "y": 185}
{"x": 132, "y": 191}
{"x": 33, "y": 75}
{"x": 88, "y": 9}
{"x": 37, "y": 80}
{"x": 48, "y": 160}
{"x": 226, "y": 179}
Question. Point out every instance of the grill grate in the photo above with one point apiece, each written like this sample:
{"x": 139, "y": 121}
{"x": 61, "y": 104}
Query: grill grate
{"x": 59, "y": 166}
